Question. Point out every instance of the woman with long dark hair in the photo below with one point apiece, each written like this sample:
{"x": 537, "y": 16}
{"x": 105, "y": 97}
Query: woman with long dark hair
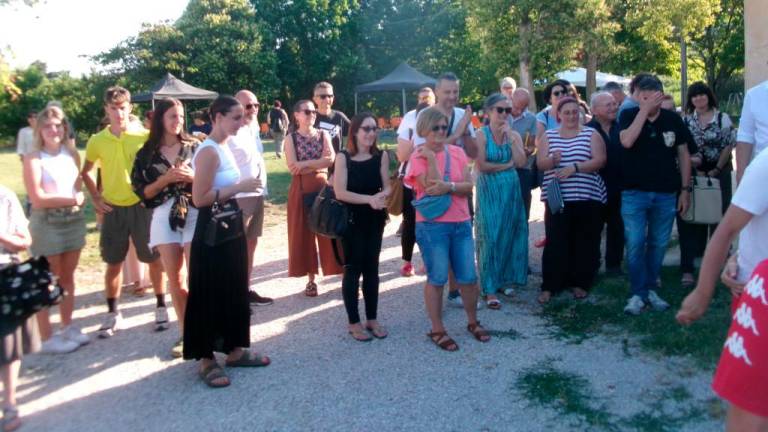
{"x": 361, "y": 180}
{"x": 309, "y": 154}
{"x": 162, "y": 177}
{"x": 218, "y": 313}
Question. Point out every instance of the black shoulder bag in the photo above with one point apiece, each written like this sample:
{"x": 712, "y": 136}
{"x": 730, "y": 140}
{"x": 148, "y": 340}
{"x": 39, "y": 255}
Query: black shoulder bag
{"x": 328, "y": 216}
{"x": 226, "y": 223}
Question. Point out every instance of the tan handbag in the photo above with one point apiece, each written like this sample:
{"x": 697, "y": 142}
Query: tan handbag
{"x": 706, "y": 202}
{"x": 395, "y": 198}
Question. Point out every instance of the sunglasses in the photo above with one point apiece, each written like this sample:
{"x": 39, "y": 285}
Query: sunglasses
{"x": 439, "y": 128}
{"x": 308, "y": 112}
{"x": 252, "y": 106}
{"x": 325, "y": 96}
{"x": 558, "y": 93}
{"x": 369, "y": 129}
{"x": 503, "y": 110}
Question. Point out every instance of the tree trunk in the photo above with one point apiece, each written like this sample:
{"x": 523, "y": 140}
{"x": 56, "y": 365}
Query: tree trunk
{"x": 526, "y": 80}
{"x": 683, "y": 70}
{"x": 591, "y": 60}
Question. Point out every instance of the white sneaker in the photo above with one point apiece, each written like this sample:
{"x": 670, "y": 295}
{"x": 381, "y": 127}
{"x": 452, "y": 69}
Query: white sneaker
{"x": 634, "y": 306}
{"x": 161, "y": 319}
{"x": 58, "y": 344}
{"x": 75, "y": 335}
{"x": 657, "y": 303}
{"x": 110, "y": 326}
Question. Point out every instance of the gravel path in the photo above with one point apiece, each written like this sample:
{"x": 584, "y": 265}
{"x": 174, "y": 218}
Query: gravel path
{"x": 321, "y": 379}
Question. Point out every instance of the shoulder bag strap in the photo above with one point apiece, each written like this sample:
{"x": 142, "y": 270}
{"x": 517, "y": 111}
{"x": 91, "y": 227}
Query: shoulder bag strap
{"x": 447, "y": 173}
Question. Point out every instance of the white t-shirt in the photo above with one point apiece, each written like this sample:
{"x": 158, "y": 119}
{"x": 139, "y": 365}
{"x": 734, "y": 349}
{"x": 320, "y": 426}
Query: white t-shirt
{"x": 24, "y": 140}
{"x": 407, "y": 128}
{"x": 246, "y": 147}
{"x": 751, "y": 197}
{"x": 458, "y": 113}
{"x": 753, "y": 125}
{"x": 59, "y": 173}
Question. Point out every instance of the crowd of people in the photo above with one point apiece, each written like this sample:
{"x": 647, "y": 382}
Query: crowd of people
{"x": 619, "y": 163}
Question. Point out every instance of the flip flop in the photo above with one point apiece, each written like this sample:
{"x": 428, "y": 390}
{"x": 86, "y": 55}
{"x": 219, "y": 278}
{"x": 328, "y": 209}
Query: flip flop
{"x": 379, "y": 332}
{"x": 360, "y": 336}
{"x": 212, "y": 373}
{"x": 494, "y": 304}
{"x": 249, "y": 359}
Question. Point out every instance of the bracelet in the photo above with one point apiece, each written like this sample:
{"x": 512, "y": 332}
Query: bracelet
{"x": 453, "y": 187}
{"x": 576, "y": 166}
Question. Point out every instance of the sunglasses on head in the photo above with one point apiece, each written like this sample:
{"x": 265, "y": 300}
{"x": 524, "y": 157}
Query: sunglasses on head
{"x": 308, "y": 112}
{"x": 503, "y": 110}
{"x": 369, "y": 129}
{"x": 325, "y": 96}
{"x": 439, "y": 128}
{"x": 252, "y": 106}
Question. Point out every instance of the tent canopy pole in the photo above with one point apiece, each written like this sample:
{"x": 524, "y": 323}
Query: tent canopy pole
{"x": 403, "y": 113}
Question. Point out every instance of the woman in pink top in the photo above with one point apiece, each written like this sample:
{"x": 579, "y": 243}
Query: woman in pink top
{"x": 445, "y": 240}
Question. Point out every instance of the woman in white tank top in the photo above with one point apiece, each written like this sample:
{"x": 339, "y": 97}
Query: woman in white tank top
{"x": 57, "y": 220}
{"x": 217, "y": 317}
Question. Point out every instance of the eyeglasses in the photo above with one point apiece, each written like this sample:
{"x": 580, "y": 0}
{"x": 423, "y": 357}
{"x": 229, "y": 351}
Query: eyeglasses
{"x": 308, "y": 112}
{"x": 369, "y": 129}
{"x": 252, "y": 106}
{"x": 325, "y": 96}
{"x": 439, "y": 128}
{"x": 502, "y": 110}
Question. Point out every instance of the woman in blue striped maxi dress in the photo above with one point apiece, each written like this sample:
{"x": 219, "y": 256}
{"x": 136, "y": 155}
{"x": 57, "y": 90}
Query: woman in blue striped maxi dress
{"x": 501, "y": 225}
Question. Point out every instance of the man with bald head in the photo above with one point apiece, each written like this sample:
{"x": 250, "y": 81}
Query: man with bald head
{"x": 247, "y": 149}
{"x": 604, "y": 108}
{"x": 524, "y": 123}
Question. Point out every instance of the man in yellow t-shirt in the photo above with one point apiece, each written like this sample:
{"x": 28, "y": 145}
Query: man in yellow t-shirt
{"x": 114, "y": 149}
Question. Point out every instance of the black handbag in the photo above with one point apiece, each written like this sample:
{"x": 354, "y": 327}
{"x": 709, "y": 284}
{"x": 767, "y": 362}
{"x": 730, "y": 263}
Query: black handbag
{"x": 328, "y": 217}
{"x": 25, "y": 289}
{"x": 226, "y": 223}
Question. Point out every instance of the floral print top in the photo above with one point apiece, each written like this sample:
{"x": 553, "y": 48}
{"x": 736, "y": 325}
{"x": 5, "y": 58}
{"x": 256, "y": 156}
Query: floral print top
{"x": 712, "y": 138}
{"x": 149, "y": 166}
{"x": 308, "y": 148}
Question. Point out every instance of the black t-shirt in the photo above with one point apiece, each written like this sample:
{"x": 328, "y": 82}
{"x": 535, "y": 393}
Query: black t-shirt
{"x": 611, "y": 172}
{"x": 336, "y": 125}
{"x": 205, "y": 128}
{"x": 651, "y": 164}
{"x": 276, "y": 122}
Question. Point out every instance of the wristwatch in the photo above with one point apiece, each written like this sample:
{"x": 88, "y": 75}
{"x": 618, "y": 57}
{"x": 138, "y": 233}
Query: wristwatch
{"x": 453, "y": 187}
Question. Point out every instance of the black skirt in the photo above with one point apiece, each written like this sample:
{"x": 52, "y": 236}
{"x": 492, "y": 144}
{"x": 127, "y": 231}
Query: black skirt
{"x": 217, "y": 318}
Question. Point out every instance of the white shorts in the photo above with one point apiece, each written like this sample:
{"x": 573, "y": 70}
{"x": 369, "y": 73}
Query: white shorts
{"x": 160, "y": 231}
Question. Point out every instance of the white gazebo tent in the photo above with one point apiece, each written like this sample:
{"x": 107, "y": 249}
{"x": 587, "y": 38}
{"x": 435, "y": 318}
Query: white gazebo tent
{"x": 578, "y": 77}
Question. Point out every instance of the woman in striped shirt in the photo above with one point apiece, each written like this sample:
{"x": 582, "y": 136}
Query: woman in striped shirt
{"x": 571, "y": 155}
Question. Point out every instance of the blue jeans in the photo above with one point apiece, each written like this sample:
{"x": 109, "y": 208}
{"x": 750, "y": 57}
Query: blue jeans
{"x": 648, "y": 219}
{"x": 444, "y": 246}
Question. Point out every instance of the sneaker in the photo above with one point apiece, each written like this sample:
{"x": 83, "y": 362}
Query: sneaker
{"x": 75, "y": 335}
{"x": 656, "y": 302}
{"x": 407, "y": 270}
{"x": 161, "y": 319}
{"x": 509, "y": 292}
{"x": 258, "y": 300}
{"x": 178, "y": 348}
{"x": 110, "y": 326}
{"x": 58, "y": 344}
{"x": 634, "y": 306}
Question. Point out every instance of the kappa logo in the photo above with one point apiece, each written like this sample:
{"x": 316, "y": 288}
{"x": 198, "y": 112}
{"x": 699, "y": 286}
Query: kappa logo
{"x": 743, "y": 316}
{"x": 735, "y": 345}
{"x": 755, "y": 289}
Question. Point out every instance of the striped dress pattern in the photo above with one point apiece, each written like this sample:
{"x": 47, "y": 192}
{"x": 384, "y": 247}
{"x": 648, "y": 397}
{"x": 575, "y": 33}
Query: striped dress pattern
{"x": 578, "y": 186}
{"x": 500, "y": 223}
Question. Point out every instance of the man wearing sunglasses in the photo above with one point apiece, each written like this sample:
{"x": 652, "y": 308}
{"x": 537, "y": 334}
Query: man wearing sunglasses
{"x": 334, "y": 122}
{"x": 247, "y": 149}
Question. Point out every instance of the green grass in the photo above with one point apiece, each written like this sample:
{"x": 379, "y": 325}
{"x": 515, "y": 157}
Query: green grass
{"x": 656, "y": 332}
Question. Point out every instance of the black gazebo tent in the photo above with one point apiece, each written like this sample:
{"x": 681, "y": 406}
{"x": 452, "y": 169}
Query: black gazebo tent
{"x": 401, "y": 79}
{"x": 170, "y": 86}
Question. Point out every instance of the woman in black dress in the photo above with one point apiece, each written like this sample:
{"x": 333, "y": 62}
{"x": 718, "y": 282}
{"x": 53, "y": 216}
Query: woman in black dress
{"x": 361, "y": 180}
{"x": 218, "y": 315}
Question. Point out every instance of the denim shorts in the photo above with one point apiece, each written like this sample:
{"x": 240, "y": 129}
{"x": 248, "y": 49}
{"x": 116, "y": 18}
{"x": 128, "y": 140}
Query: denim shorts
{"x": 444, "y": 246}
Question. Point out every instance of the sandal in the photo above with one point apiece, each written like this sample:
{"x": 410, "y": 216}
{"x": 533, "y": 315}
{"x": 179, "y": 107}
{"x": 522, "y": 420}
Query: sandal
{"x": 310, "y": 290}
{"x": 360, "y": 335}
{"x": 11, "y": 420}
{"x": 687, "y": 281}
{"x": 249, "y": 359}
{"x": 494, "y": 304}
{"x": 211, "y": 374}
{"x": 478, "y": 332}
{"x": 544, "y": 297}
{"x": 580, "y": 294}
{"x": 378, "y": 332}
{"x": 447, "y": 343}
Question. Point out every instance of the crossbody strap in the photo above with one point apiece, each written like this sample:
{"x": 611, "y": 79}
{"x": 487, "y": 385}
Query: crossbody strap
{"x": 447, "y": 174}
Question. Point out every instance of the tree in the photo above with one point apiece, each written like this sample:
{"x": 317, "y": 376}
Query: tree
{"x": 597, "y": 30}
{"x": 719, "y": 50}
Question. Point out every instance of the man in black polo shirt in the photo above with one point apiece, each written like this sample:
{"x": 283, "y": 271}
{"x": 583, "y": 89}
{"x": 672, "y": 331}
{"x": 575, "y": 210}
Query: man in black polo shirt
{"x": 334, "y": 122}
{"x": 656, "y": 166}
{"x": 604, "y": 108}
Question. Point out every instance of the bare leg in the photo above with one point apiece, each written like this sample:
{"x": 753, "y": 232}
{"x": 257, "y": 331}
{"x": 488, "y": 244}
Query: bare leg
{"x": 10, "y": 375}
{"x": 251, "y": 251}
{"x": 66, "y": 273}
{"x": 156, "y": 276}
{"x": 469, "y": 295}
{"x": 433, "y": 299}
{"x": 112, "y": 280}
{"x": 740, "y": 420}
{"x": 172, "y": 256}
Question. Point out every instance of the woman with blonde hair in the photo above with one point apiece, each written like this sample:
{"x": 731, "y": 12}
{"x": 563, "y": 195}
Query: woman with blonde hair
{"x": 57, "y": 220}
